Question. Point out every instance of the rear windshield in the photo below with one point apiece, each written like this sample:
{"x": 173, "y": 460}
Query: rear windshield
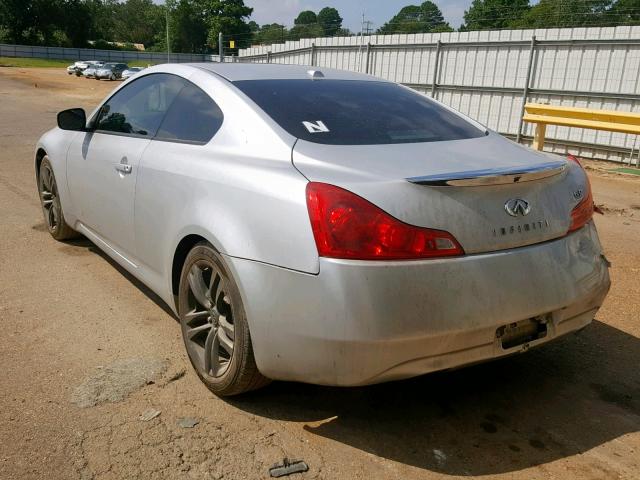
{"x": 351, "y": 112}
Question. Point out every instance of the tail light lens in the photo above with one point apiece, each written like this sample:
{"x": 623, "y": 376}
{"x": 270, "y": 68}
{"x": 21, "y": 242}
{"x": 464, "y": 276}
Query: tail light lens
{"x": 583, "y": 212}
{"x": 348, "y": 226}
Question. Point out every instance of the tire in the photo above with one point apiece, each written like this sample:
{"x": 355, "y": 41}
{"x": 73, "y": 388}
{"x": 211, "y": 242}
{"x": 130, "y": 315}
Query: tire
{"x": 51, "y": 206}
{"x": 112, "y": 77}
{"x": 211, "y": 328}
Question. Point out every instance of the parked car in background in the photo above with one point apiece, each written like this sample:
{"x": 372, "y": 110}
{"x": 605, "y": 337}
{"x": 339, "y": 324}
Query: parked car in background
{"x": 90, "y": 71}
{"x": 71, "y": 69}
{"x": 111, "y": 71}
{"x": 325, "y": 226}
{"x": 131, "y": 71}
{"x": 81, "y": 66}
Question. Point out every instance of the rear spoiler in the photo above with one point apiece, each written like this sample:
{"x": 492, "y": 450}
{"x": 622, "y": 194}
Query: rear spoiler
{"x": 492, "y": 176}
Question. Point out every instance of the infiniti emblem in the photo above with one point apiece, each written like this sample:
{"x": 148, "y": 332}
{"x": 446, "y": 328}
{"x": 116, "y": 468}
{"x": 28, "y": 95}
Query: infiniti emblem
{"x": 517, "y": 207}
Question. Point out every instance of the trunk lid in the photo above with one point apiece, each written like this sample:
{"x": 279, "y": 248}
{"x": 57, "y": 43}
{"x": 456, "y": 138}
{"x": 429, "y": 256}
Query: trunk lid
{"x": 427, "y": 184}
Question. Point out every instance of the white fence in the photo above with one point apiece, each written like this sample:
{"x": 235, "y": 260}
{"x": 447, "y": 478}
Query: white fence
{"x": 489, "y": 75}
{"x": 73, "y": 54}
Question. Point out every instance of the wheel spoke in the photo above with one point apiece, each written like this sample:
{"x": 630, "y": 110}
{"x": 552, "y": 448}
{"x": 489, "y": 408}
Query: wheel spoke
{"x": 225, "y": 342}
{"x": 227, "y": 327}
{"x": 192, "y": 332}
{"x": 198, "y": 286}
{"x": 211, "y": 357}
{"x": 51, "y": 217}
{"x": 192, "y": 315}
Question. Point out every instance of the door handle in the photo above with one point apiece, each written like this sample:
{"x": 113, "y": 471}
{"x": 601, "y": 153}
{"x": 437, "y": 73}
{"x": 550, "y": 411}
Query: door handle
{"x": 123, "y": 168}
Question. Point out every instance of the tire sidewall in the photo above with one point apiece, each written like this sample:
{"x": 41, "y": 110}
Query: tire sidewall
{"x": 242, "y": 342}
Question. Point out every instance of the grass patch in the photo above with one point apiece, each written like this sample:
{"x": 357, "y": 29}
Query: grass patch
{"x": 32, "y": 62}
{"x": 633, "y": 171}
{"x": 51, "y": 63}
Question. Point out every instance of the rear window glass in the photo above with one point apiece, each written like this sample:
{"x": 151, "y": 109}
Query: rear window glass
{"x": 348, "y": 112}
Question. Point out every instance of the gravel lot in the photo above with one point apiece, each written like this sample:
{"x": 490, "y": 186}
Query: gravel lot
{"x": 95, "y": 383}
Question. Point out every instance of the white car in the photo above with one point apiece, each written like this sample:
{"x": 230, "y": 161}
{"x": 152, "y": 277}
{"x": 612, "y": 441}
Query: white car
{"x": 131, "y": 71}
{"x": 324, "y": 226}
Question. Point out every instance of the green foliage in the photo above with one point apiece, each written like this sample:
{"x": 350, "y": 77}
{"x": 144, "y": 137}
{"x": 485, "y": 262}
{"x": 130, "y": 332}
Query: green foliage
{"x": 306, "y": 18}
{"x": 494, "y": 14}
{"x": 417, "y": 19}
{"x": 565, "y": 13}
{"x": 270, "y": 33}
{"x": 625, "y": 12}
{"x": 330, "y": 21}
{"x": 228, "y": 17}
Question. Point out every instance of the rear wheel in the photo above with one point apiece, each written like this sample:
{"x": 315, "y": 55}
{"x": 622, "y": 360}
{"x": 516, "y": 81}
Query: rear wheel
{"x": 51, "y": 206}
{"x": 214, "y": 325}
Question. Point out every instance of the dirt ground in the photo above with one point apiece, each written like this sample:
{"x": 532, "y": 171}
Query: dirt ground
{"x": 86, "y": 351}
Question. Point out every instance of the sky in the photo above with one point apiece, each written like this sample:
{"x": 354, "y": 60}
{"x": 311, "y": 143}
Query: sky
{"x": 377, "y": 11}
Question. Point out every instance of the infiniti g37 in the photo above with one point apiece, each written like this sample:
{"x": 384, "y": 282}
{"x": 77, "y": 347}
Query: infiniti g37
{"x": 322, "y": 226}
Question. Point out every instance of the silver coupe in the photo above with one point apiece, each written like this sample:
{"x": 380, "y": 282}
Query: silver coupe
{"x": 323, "y": 226}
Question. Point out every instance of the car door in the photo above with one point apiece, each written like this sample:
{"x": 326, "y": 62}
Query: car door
{"x": 102, "y": 164}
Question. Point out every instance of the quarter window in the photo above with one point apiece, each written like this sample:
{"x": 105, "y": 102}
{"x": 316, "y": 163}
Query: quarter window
{"x": 139, "y": 108}
{"x": 193, "y": 117}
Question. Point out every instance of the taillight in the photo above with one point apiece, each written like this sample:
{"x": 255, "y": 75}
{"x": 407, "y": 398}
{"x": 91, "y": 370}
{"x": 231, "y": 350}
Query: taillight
{"x": 582, "y": 213}
{"x": 348, "y": 226}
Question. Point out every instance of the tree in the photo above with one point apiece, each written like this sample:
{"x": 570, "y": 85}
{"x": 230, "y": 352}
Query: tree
{"x": 306, "y": 18}
{"x": 187, "y": 26}
{"x": 494, "y": 14}
{"x": 228, "y": 17}
{"x": 330, "y": 21}
{"x": 625, "y": 12}
{"x": 271, "y": 33}
{"x": 417, "y": 19}
{"x": 16, "y": 17}
{"x": 565, "y": 13}
{"x": 138, "y": 21}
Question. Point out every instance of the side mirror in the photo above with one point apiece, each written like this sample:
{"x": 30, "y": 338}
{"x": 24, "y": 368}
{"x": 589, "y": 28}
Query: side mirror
{"x": 73, "y": 119}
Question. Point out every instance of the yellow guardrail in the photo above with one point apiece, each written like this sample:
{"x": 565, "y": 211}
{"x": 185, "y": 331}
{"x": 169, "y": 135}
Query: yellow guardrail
{"x": 609, "y": 120}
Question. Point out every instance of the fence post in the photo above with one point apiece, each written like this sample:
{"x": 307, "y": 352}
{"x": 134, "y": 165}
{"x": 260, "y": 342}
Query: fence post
{"x": 220, "y": 48}
{"x": 435, "y": 70}
{"x": 525, "y": 90}
{"x": 313, "y": 54}
{"x": 269, "y": 56}
{"x": 368, "y": 54}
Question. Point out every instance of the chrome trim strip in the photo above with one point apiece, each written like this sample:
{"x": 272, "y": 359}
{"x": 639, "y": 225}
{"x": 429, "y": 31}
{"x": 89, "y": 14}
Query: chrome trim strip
{"x": 492, "y": 176}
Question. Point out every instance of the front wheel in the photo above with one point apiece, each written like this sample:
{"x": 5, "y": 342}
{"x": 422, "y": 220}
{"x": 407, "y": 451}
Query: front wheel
{"x": 214, "y": 325}
{"x": 51, "y": 206}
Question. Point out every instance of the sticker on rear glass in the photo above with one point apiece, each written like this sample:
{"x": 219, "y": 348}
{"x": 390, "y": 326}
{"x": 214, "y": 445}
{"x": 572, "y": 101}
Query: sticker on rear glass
{"x": 317, "y": 127}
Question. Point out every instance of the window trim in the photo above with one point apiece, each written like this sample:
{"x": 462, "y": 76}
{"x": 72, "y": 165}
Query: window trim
{"x": 94, "y": 119}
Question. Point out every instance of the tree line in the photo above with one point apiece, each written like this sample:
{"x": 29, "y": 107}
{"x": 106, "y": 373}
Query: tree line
{"x": 194, "y": 24}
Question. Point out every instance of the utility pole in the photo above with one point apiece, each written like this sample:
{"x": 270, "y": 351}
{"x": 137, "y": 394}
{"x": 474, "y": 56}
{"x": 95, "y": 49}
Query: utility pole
{"x": 220, "y": 47}
{"x": 168, "y": 44}
{"x": 360, "y": 46}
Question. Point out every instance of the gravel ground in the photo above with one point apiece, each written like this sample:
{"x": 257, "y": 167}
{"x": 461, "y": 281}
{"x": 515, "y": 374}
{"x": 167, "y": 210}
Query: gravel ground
{"x": 95, "y": 383}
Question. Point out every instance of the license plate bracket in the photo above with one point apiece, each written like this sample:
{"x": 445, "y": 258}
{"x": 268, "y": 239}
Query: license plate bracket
{"x": 522, "y": 332}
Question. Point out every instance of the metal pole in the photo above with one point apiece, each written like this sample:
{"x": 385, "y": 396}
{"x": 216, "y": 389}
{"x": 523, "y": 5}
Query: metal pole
{"x": 435, "y": 70}
{"x": 368, "y": 53}
{"x": 525, "y": 90}
{"x": 269, "y": 56}
{"x": 220, "y": 48}
{"x": 313, "y": 54}
{"x": 168, "y": 43}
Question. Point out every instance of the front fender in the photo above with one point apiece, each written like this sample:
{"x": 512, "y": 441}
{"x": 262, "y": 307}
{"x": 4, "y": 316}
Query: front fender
{"x": 55, "y": 144}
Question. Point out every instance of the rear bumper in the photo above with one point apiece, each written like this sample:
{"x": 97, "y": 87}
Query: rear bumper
{"x": 359, "y": 322}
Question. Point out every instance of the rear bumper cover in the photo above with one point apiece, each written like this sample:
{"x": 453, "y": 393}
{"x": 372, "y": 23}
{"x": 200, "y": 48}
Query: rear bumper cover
{"x": 357, "y": 323}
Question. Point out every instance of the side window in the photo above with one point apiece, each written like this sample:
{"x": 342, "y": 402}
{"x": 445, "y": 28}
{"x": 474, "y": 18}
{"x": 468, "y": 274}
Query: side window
{"x": 140, "y": 106}
{"x": 194, "y": 117}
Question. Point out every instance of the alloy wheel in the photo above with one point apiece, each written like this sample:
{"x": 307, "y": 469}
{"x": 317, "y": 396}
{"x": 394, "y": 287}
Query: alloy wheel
{"x": 208, "y": 324}
{"x": 49, "y": 198}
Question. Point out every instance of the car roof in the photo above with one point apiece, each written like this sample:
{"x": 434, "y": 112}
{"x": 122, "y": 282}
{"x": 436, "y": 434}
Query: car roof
{"x": 262, "y": 71}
